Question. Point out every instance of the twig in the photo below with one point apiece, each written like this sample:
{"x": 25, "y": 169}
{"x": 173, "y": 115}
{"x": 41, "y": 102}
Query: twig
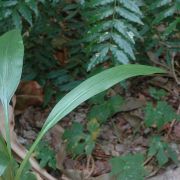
{"x": 90, "y": 159}
{"x": 147, "y": 160}
{"x": 173, "y": 68}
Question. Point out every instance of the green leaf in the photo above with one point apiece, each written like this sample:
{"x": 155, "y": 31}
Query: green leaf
{"x": 11, "y": 61}
{"x": 119, "y": 55}
{"x": 86, "y": 90}
{"x": 123, "y": 44}
{"x": 164, "y": 14}
{"x": 121, "y": 28}
{"x": 25, "y": 12}
{"x": 93, "y": 86}
{"x": 161, "y": 150}
{"x": 131, "y": 5}
{"x": 115, "y": 103}
{"x": 17, "y": 20}
{"x": 9, "y": 3}
{"x": 76, "y": 139}
{"x": 99, "y": 57}
{"x": 33, "y": 5}
{"x": 128, "y": 15}
{"x": 4, "y": 162}
{"x": 172, "y": 26}
{"x": 159, "y": 115}
{"x": 157, "y": 93}
{"x": 129, "y": 167}
{"x": 160, "y": 3}
{"x": 100, "y": 112}
{"x": 45, "y": 155}
{"x": 94, "y": 3}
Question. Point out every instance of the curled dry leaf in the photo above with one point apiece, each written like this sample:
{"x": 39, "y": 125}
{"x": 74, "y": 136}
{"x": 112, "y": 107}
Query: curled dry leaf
{"x": 17, "y": 148}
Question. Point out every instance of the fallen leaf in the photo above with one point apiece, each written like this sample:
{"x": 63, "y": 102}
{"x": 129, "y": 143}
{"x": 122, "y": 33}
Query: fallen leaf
{"x": 28, "y": 94}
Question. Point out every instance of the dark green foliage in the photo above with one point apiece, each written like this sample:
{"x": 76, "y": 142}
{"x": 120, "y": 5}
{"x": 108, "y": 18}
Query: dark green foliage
{"x": 165, "y": 9}
{"x": 45, "y": 155}
{"x": 159, "y": 115}
{"x": 111, "y": 30}
{"x": 103, "y": 109}
{"x": 160, "y": 31}
{"x": 17, "y": 12}
{"x": 157, "y": 93}
{"x": 129, "y": 167}
{"x": 162, "y": 151}
{"x": 79, "y": 142}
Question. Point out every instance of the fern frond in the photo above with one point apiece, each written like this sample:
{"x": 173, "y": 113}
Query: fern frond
{"x": 132, "y": 6}
{"x": 111, "y": 27}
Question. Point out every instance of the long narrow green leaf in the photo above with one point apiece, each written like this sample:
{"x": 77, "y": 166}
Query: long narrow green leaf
{"x": 84, "y": 91}
{"x": 93, "y": 86}
{"x": 11, "y": 61}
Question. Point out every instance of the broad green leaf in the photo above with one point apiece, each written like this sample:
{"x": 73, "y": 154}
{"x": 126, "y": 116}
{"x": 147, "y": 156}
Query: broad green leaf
{"x": 86, "y": 90}
{"x": 11, "y": 61}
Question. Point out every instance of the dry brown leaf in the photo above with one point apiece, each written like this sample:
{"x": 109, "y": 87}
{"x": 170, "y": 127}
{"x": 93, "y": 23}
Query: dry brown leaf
{"x": 132, "y": 103}
{"x": 28, "y": 94}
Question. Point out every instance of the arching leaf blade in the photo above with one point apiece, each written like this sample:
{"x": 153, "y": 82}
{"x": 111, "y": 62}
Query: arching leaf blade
{"x": 93, "y": 86}
{"x": 84, "y": 91}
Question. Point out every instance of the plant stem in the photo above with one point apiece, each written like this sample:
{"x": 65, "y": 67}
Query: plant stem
{"x": 28, "y": 155}
{"x": 7, "y": 129}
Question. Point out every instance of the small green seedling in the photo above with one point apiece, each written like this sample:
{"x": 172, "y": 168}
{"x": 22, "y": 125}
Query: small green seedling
{"x": 159, "y": 115}
{"x": 162, "y": 151}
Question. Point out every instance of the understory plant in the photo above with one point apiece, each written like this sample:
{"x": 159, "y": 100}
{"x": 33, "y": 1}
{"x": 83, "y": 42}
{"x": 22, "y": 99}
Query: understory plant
{"x": 11, "y": 61}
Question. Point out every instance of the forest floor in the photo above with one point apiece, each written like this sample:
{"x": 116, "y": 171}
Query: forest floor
{"x": 121, "y": 134}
